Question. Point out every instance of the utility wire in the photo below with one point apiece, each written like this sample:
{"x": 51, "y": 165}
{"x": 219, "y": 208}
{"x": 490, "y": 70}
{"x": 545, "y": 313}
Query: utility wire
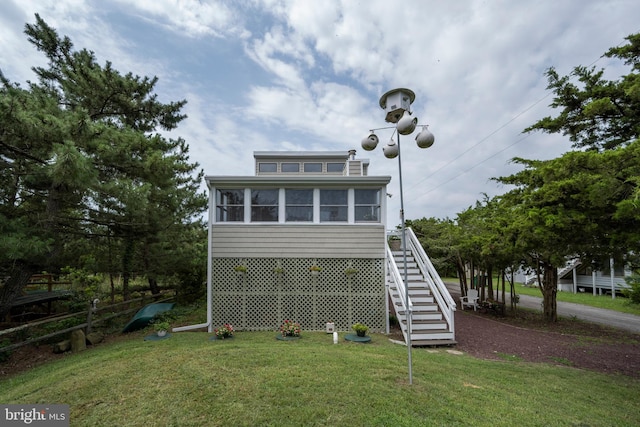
{"x": 489, "y": 136}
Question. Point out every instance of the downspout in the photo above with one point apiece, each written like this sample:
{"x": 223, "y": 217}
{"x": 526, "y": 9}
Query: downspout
{"x": 209, "y": 271}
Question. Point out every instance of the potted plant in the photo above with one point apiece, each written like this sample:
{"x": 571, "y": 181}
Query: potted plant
{"x": 395, "y": 242}
{"x": 289, "y": 328}
{"x": 240, "y": 270}
{"x": 360, "y": 328}
{"x": 315, "y": 269}
{"x": 161, "y": 327}
{"x": 350, "y": 272}
{"x": 224, "y": 331}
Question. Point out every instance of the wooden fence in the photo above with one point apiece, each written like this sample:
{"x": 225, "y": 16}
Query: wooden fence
{"x": 90, "y": 315}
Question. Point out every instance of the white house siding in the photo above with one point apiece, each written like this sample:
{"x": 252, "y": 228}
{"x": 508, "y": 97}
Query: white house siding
{"x": 297, "y": 241}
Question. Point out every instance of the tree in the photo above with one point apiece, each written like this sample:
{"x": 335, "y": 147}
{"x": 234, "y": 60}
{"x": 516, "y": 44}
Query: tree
{"x": 581, "y": 204}
{"x": 599, "y": 114}
{"x": 82, "y": 159}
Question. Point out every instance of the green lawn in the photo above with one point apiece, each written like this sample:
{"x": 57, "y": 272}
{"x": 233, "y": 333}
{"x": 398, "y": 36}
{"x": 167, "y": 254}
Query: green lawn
{"x": 601, "y": 301}
{"x": 256, "y": 380}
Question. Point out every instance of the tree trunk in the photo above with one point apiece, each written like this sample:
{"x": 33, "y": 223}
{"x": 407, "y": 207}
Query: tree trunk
{"x": 127, "y": 259}
{"x": 549, "y": 287}
{"x": 153, "y": 285}
{"x": 514, "y": 304}
{"x": 18, "y": 278}
{"x": 462, "y": 274}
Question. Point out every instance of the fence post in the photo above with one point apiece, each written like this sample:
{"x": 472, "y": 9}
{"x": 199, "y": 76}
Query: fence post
{"x": 89, "y": 315}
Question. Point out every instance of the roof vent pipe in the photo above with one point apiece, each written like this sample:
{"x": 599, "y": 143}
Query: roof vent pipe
{"x": 352, "y": 154}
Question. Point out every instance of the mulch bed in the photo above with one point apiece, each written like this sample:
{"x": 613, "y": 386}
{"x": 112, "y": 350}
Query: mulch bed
{"x": 568, "y": 342}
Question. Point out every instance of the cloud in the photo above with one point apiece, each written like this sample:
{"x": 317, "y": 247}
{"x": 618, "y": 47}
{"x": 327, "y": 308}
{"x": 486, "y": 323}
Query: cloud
{"x": 193, "y": 18}
{"x": 307, "y": 75}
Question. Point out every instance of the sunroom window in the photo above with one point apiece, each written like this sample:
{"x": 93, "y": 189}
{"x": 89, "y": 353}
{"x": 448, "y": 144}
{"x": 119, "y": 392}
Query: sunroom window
{"x": 264, "y": 205}
{"x": 229, "y": 205}
{"x": 299, "y": 205}
{"x": 333, "y": 205}
{"x": 367, "y": 205}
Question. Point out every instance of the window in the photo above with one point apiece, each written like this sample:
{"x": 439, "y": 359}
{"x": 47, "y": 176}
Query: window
{"x": 333, "y": 205}
{"x": 229, "y": 205}
{"x": 335, "y": 167}
{"x": 268, "y": 167}
{"x": 290, "y": 167}
{"x": 367, "y": 205}
{"x": 264, "y": 205}
{"x": 313, "y": 167}
{"x": 299, "y": 205}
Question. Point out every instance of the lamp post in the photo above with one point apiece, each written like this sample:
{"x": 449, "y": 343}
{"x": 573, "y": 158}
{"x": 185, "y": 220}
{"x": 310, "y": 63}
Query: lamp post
{"x": 397, "y": 105}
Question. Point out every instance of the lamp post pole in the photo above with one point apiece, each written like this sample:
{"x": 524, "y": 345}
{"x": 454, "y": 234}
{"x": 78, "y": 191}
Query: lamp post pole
{"x": 397, "y": 104}
{"x": 408, "y": 310}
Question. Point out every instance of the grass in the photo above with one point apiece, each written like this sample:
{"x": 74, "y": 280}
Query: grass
{"x": 620, "y": 304}
{"x": 256, "y": 380}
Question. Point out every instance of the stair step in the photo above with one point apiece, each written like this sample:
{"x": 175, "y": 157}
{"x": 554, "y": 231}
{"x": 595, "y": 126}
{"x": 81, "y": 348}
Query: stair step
{"x": 434, "y": 343}
{"x": 427, "y": 336}
{"x": 418, "y": 309}
{"x": 420, "y": 325}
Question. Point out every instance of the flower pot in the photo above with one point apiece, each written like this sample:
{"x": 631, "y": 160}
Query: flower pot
{"x": 361, "y": 333}
{"x": 162, "y": 333}
{"x": 314, "y": 272}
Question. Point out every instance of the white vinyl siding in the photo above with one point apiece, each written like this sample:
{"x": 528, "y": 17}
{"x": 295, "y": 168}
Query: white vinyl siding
{"x": 298, "y": 241}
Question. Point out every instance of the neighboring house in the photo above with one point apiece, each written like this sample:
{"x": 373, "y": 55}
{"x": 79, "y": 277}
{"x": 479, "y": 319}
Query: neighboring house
{"x": 577, "y": 276}
{"x": 301, "y": 209}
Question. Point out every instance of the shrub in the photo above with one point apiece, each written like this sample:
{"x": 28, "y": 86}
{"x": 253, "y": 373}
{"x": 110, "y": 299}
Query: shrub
{"x": 633, "y": 292}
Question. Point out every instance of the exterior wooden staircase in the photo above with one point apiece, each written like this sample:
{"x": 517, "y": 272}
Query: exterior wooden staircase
{"x": 431, "y": 305}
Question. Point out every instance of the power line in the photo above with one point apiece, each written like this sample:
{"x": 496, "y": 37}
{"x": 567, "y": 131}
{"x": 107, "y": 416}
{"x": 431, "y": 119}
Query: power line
{"x": 489, "y": 136}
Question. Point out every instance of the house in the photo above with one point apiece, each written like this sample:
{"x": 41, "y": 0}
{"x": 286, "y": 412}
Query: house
{"x": 304, "y": 209}
{"x": 578, "y": 276}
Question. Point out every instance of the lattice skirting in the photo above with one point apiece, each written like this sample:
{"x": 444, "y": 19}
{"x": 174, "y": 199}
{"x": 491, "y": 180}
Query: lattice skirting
{"x": 274, "y": 289}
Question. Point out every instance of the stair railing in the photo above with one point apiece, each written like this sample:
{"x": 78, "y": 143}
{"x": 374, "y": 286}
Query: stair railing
{"x": 397, "y": 278}
{"x": 436, "y": 285}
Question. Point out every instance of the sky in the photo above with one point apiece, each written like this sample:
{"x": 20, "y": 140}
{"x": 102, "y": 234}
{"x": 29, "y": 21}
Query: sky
{"x": 278, "y": 75}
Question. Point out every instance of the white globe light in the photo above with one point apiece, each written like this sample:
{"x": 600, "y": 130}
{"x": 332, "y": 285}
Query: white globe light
{"x": 390, "y": 150}
{"x": 407, "y": 124}
{"x": 370, "y": 142}
{"x": 425, "y": 139}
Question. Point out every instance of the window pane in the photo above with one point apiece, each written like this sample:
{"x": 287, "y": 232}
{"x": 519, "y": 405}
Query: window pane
{"x": 367, "y": 197}
{"x": 299, "y": 205}
{"x": 367, "y": 207}
{"x": 335, "y": 167}
{"x": 367, "y": 213}
{"x": 333, "y": 197}
{"x": 229, "y": 205}
{"x": 313, "y": 167}
{"x": 268, "y": 167}
{"x": 290, "y": 167}
{"x": 264, "y": 205}
{"x": 333, "y": 205}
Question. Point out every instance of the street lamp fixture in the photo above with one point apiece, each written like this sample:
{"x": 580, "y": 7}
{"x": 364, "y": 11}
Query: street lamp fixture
{"x": 397, "y": 105}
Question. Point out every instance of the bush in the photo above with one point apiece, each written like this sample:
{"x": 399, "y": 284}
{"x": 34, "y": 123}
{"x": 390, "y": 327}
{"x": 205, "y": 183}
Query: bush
{"x": 633, "y": 292}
